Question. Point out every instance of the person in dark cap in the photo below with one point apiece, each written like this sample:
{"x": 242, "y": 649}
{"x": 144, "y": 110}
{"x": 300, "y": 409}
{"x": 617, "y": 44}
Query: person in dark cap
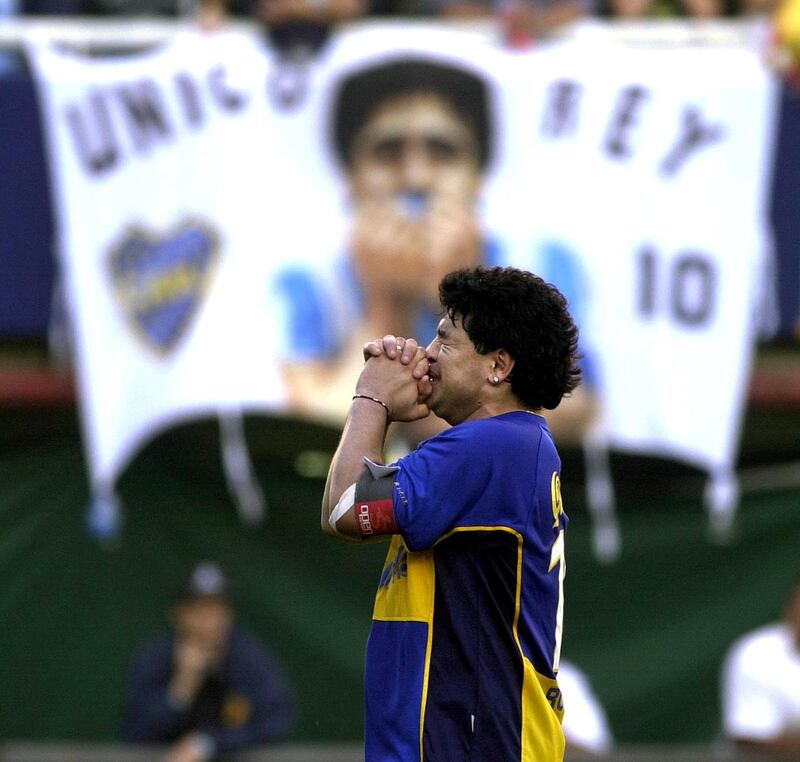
{"x": 206, "y": 687}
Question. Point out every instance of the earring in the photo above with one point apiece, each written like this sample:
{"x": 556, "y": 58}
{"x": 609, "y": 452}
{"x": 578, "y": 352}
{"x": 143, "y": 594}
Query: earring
{"x": 496, "y": 380}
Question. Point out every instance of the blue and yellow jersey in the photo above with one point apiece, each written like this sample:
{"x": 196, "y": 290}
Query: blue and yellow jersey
{"x": 463, "y": 652}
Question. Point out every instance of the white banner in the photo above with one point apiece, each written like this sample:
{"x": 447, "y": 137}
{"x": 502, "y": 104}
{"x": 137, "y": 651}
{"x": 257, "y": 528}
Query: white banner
{"x": 163, "y": 213}
{"x": 649, "y": 173}
{"x": 218, "y": 218}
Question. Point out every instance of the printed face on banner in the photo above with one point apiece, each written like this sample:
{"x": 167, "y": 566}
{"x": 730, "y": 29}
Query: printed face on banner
{"x": 413, "y": 148}
{"x": 412, "y": 137}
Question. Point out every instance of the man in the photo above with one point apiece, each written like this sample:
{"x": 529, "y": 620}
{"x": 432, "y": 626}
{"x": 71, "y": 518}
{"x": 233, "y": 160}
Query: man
{"x": 761, "y": 686}
{"x": 464, "y": 648}
{"x": 207, "y": 687}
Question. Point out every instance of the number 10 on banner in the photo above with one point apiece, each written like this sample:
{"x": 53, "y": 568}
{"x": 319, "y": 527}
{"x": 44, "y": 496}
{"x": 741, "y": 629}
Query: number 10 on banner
{"x": 682, "y": 288}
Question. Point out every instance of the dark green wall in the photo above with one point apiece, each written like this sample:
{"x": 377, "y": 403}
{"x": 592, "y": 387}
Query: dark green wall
{"x": 650, "y": 630}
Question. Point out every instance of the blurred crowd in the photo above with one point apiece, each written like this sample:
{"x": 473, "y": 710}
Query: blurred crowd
{"x": 304, "y": 25}
{"x": 523, "y": 17}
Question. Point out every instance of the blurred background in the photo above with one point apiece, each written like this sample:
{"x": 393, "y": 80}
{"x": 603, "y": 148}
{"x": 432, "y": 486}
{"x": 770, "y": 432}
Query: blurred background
{"x": 206, "y": 209}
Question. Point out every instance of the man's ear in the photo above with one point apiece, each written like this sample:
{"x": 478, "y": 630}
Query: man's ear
{"x": 503, "y": 365}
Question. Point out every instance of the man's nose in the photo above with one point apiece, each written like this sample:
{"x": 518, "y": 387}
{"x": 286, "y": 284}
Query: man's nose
{"x": 432, "y": 351}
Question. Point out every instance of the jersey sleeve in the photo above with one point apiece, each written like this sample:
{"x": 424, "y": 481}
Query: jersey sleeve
{"x": 439, "y": 485}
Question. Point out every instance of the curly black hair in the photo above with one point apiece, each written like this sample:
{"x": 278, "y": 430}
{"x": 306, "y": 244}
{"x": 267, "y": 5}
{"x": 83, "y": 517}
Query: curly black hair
{"x": 515, "y": 310}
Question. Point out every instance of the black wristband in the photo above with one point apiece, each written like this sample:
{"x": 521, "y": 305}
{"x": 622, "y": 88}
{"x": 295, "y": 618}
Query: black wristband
{"x": 374, "y": 399}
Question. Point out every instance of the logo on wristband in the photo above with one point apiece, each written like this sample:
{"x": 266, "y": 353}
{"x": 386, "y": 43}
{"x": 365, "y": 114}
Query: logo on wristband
{"x": 364, "y": 522}
{"x": 376, "y": 517}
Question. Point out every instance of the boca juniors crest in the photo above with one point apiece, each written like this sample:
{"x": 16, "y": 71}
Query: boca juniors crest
{"x": 161, "y": 280}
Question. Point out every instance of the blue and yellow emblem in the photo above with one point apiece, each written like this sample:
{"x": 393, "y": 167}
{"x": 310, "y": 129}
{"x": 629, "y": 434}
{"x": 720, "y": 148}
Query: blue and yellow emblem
{"x": 161, "y": 280}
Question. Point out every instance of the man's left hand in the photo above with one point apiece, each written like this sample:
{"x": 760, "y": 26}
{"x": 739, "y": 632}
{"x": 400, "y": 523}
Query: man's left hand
{"x": 406, "y": 350}
{"x": 396, "y": 373}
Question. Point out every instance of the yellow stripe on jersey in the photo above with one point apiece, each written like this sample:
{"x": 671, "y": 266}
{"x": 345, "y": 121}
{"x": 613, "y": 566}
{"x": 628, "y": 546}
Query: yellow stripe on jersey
{"x": 542, "y": 736}
{"x": 556, "y": 501}
{"x": 406, "y": 588}
{"x": 424, "y": 702}
{"x": 406, "y": 594}
{"x": 542, "y": 713}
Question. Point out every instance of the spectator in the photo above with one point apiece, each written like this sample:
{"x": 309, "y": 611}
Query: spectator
{"x": 523, "y": 21}
{"x": 761, "y": 686}
{"x": 704, "y": 9}
{"x": 585, "y": 723}
{"x": 40, "y": 7}
{"x": 785, "y": 52}
{"x": 631, "y": 10}
{"x": 207, "y": 687}
{"x": 295, "y": 27}
{"x": 154, "y": 8}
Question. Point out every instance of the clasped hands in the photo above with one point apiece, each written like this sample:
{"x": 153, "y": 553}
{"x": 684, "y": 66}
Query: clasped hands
{"x": 396, "y": 373}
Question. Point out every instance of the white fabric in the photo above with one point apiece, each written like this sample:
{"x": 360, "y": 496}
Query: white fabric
{"x": 699, "y": 214}
{"x": 585, "y": 723}
{"x": 379, "y": 470}
{"x": 195, "y": 172}
{"x": 346, "y": 502}
{"x": 761, "y": 685}
{"x": 654, "y": 366}
{"x": 262, "y": 177}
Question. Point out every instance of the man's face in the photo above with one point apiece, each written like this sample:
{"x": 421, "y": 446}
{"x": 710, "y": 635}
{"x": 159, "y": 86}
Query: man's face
{"x": 458, "y": 373}
{"x": 206, "y": 623}
{"x": 416, "y": 144}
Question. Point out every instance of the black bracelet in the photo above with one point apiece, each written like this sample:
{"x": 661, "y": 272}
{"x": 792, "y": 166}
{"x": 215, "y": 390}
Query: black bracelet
{"x": 374, "y": 399}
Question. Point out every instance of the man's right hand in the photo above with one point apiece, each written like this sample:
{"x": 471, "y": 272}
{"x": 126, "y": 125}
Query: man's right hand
{"x": 396, "y": 372}
{"x": 406, "y": 350}
{"x": 192, "y": 663}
